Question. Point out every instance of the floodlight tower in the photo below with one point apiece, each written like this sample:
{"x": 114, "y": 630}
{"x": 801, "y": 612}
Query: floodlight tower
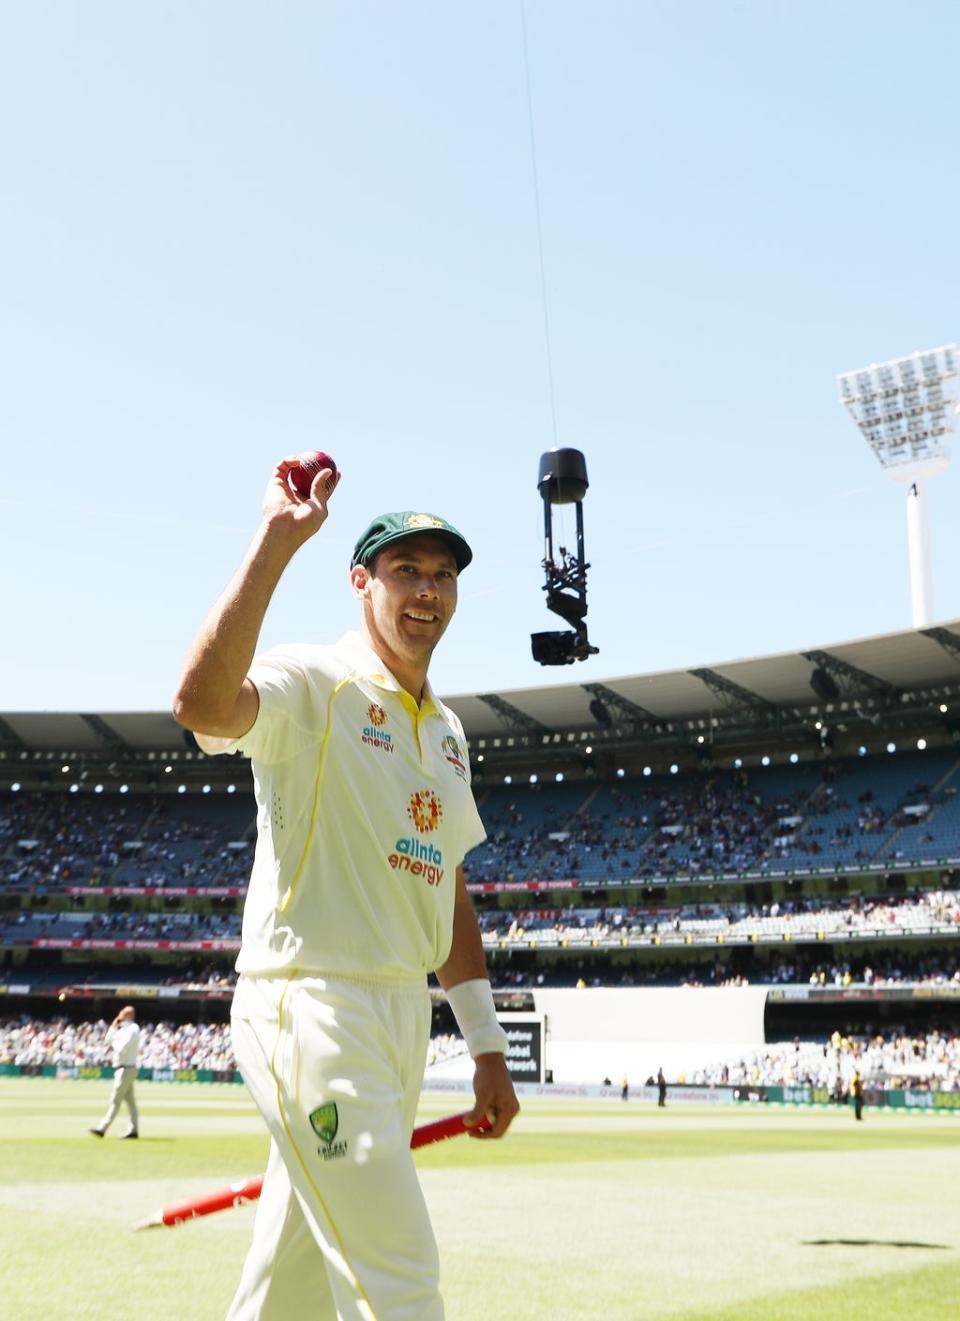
{"x": 905, "y": 410}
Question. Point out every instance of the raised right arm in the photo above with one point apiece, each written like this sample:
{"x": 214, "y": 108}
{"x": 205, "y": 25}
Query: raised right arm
{"x": 214, "y": 695}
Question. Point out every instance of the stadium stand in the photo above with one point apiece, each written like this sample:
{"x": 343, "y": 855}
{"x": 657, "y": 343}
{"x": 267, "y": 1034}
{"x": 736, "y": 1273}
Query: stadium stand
{"x": 163, "y": 1045}
{"x": 708, "y": 837}
{"x": 886, "y": 1061}
{"x": 50, "y": 839}
{"x": 90, "y": 870}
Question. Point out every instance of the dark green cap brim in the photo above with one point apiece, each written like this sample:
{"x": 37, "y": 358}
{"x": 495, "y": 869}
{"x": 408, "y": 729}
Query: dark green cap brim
{"x": 390, "y": 528}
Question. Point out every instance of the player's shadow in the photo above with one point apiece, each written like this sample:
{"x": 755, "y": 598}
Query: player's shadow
{"x": 871, "y": 1243}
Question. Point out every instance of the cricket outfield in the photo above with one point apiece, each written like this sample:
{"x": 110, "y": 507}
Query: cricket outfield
{"x": 605, "y": 1212}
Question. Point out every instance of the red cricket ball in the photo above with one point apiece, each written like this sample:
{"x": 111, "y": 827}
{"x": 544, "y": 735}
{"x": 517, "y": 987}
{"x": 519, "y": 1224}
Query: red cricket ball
{"x": 309, "y": 463}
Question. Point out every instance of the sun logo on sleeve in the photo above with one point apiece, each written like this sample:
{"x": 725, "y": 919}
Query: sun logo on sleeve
{"x": 425, "y": 811}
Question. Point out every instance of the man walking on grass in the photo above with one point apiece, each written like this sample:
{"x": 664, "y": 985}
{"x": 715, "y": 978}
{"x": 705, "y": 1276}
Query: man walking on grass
{"x": 123, "y": 1037}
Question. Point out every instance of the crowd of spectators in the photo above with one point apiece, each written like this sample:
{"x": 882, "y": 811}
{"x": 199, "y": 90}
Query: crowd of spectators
{"x": 719, "y": 822}
{"x": 46, "y": 840}
{"x": 152, "y": 926}
{"x": 716, "y": 824}
{"x": 445, "y": 1046}
{"x": 201, "y": 978}
{"x": 163, "y": 1045}
{"x": 885, "y": 1061}
{"x": 631, "y": 829}
{"x": 52, "y": 840}
{"x": 932, "y": 910}
{"x": 920, "y": 910}
{"x": 640, "y": 829}
{"x": 894, "y": 1059}
{"x": 881, "y": 970}
{"x": 887, "y": 969}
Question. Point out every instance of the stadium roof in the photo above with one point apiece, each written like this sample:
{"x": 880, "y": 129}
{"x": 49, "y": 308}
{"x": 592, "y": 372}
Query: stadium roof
{"x": 869, "y": 670}
{"x": 902, "y": 662}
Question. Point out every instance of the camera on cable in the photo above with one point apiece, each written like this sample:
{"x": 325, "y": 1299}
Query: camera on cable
{"x": 562, "y": 480}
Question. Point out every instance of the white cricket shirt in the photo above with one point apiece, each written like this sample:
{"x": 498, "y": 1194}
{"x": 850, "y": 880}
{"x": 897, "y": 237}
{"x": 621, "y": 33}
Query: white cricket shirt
{"x": 125, "y": 1043}
{"x": 364, "y": 812}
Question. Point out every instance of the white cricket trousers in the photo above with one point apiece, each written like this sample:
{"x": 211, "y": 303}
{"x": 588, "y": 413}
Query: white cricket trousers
{"x": 341, "y": 1233}
{"x": 124, "y": 1077}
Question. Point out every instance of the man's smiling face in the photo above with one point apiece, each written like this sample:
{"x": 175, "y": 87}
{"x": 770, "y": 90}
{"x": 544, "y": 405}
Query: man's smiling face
{"x": 409, "y": 595}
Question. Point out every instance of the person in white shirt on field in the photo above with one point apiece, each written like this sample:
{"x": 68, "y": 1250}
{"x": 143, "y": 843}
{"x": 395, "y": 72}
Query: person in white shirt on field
{"x": 123, "y": 1037}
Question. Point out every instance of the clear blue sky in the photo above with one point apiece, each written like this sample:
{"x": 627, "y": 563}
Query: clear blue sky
{"x": 232, "y": 231}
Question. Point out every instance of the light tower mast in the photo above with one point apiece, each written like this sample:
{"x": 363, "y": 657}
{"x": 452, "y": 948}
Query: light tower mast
{"x": 905, "y": 410}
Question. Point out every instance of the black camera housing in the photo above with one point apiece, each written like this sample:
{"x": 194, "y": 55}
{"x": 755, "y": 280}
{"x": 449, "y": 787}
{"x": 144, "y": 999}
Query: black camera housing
{"x": 561, "y": 648}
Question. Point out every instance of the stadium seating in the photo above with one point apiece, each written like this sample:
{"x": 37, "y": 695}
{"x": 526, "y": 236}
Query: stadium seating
{"x": 57, "y": 839}
{"x": 855, "y": 818}
{"x": 810, "y": 816}
{"x": 614, "y": 874}
{"x": 885, "y": 1062}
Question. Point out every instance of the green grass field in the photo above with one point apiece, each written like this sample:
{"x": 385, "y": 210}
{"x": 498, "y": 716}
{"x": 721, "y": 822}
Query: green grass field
{"x": 606, "y": 1212}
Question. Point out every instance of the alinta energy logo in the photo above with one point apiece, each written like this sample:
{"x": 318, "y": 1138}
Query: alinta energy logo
{"x": 374, "y": 735}
{"x": 415, "y": 855}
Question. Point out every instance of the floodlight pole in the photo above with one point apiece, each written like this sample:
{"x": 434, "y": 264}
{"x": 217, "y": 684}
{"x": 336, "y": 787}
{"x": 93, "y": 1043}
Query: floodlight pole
{"x": 921, "y": 578}
{"x": 905, "y": 409}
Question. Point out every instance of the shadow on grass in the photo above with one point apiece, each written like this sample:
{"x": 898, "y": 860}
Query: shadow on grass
{"x": 141, "y": 1141}
{"x": 871, "y": 1243}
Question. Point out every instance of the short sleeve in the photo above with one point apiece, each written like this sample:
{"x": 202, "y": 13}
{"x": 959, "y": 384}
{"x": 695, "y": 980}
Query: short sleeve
{"x": 292, "y": 711}
{"x": 474, "y": 831}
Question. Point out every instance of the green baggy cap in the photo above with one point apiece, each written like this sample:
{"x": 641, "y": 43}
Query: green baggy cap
{"x": 389, "y": 528}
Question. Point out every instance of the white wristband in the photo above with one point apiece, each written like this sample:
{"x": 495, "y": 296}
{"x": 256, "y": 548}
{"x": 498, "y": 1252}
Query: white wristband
{"x": 472, "y": 1005}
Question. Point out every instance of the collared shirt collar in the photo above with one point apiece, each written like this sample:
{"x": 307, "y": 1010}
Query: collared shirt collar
{"x": 369, "y": 665}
